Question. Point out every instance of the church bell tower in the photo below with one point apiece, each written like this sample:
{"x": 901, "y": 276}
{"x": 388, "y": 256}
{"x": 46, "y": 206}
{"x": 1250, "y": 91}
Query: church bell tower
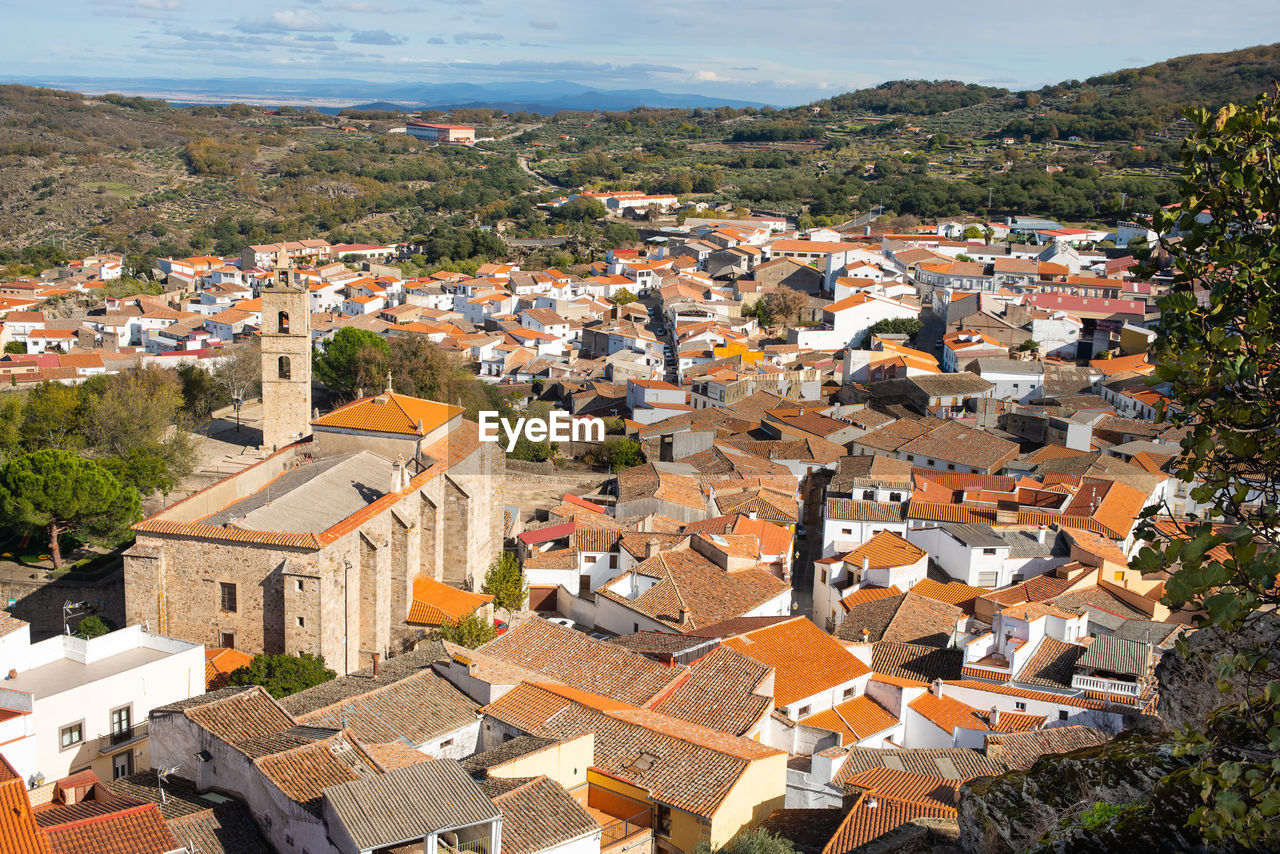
{"x": 286, "y": 358}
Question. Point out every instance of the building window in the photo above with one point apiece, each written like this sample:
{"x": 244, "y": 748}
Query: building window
{"x": 298, "y": 584}
{"x": 635, "y": 627}
{"x": 1062, "y": 715}
{"x": 70, "y": 736}
{"x": 121, "y": 725}
{"x": 1020, "y": 706}
{"x": 227, "y": 593}
{"x": 301, "y": 623}
{"x": 824, "y": 576}
{"x": 448, "y": 742}
{"x": 803, "y": 711}
{"x": 868, "y": 495}
{"x": 848, "y": 693}
{"x": 895, "y": 496}
{"x": 282, "y": 368}
{"x": 282, "y": 321}
{"x": 951, "y": 466}
{"x": 911, "y": 458}
{"x": 988, "y": 551}
{"x": 227, "y": 640}
{"x": 1119, "y": 575}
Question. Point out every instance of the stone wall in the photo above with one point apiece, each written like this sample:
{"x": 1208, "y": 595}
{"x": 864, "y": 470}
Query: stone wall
{"x": 344, "y": 601}
{"x": 40, "y": 602}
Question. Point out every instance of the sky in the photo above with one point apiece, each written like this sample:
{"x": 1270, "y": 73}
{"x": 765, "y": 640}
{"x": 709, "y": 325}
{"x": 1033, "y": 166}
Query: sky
{"x": 772, "y": 51}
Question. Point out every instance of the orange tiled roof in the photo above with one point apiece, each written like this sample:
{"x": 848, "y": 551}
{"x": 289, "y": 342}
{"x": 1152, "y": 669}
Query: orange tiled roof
{"x": 137, "y": 830}
{"x": 948, "y": 713}
{"x": 885, "y": 550}
{"x": 391, "y": 413}
{"x": 806, "y": 659}
{"x": 951, "y": 592}
{"x": 435, "y": 604}
{"x": 220, "y": 662}
{"x": 854, "y": 719}
{"x": 19, "y": 833}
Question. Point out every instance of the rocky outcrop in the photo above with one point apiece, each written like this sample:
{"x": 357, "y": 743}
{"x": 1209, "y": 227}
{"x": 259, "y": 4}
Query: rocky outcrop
{"x": 1144, "y": 789}
{"x": 1037, "y": 808}
{"x": 1188, "y": 687}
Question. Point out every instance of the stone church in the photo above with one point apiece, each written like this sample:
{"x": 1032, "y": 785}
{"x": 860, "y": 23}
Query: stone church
{"x": 316, "y": 548}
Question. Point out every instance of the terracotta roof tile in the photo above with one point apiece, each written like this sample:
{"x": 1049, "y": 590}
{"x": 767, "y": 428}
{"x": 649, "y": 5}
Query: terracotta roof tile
{"x": 538, "y": 814}
{"x": 915, "y": 662}
{"x": 721, "y": 693}
{"x": 391, "y": 413}
{"x": 853, "y": 720}
{"x": 806, "y": 660}
{"x": 138, "y": 830}
{"x": 435, "y": 604}
{"x": 570, "y": 657}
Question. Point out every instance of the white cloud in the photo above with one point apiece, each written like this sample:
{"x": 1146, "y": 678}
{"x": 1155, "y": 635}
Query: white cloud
{"x": 293, "y": 20}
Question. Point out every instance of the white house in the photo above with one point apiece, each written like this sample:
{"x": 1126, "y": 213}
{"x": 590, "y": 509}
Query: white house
{"x": 1013, "y": 379}
{"x": 75, "y": 704}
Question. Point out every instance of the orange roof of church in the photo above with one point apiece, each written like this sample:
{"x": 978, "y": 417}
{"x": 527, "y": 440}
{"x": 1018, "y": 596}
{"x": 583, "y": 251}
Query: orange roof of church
{"x": 391, "y": 413}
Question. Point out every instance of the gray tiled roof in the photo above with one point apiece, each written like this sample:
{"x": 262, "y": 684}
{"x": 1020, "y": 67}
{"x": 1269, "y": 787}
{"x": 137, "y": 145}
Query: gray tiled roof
{"x": 976, "y": 535}
{"x": 408, "y": 803}
{"x": 1117, "y": 655}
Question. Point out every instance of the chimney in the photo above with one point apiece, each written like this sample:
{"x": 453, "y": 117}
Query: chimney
{"x": 377, "y": 657}
{"x": 1040, "y": 534}
{"x": 751, "y": 515}
{"x": 995, "y": 717}
{"x": 651, "y": 548}
{"x": 397, "y": 475}
{"x": 866, "y": 635}
{"x": 315, "y": 413}
{"x": 936, "y": 688}
{"x": 871, "y": 803}
{"x": 866, "y": 564}
{"x": 684, "y": 615}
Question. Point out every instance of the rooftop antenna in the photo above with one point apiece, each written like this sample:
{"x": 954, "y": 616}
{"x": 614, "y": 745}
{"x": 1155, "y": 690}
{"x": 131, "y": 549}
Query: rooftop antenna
{"x": 162, "y": 776}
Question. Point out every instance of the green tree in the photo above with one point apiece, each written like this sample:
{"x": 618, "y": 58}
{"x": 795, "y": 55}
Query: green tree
{"x": 51, "y": 418}
{"x": 92, "y": 627}
{"x": 623, "y": 297}
{"x": 1217, "y": 358}
{"x": 129, "y": 418}
{"x": 16, "y": 347}
{"x": 616, "y": 453}
{"x": 61, "y": 492}
{"x": 750, "y": 842}
{"x": 973, "y": 232}
{"x": 201, "y": 394}
{"x": 506, "y": 583}
{"x": 470, "y": 631}
{"x": 908, "y": 326}
{"x": 353, "y": 359}
{"x": 283, "y": 674}
{"x": 617, "y": 234}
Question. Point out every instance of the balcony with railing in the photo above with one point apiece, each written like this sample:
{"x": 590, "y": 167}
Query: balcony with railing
{"x": 629, "y": 834}
{"x": 121, "y": 739}
{"x": 471, "y": 846}
{"x": 1106, "y": 686}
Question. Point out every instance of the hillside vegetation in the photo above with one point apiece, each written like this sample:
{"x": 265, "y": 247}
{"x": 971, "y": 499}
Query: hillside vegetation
{"x": 79, "y": 174}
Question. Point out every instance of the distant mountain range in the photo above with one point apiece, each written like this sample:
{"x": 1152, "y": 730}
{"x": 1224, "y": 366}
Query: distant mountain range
{"x": 337, "y": 93}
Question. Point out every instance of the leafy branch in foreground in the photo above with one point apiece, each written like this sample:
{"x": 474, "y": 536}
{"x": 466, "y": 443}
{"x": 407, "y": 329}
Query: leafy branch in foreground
{"x": 1216, "y": 359}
